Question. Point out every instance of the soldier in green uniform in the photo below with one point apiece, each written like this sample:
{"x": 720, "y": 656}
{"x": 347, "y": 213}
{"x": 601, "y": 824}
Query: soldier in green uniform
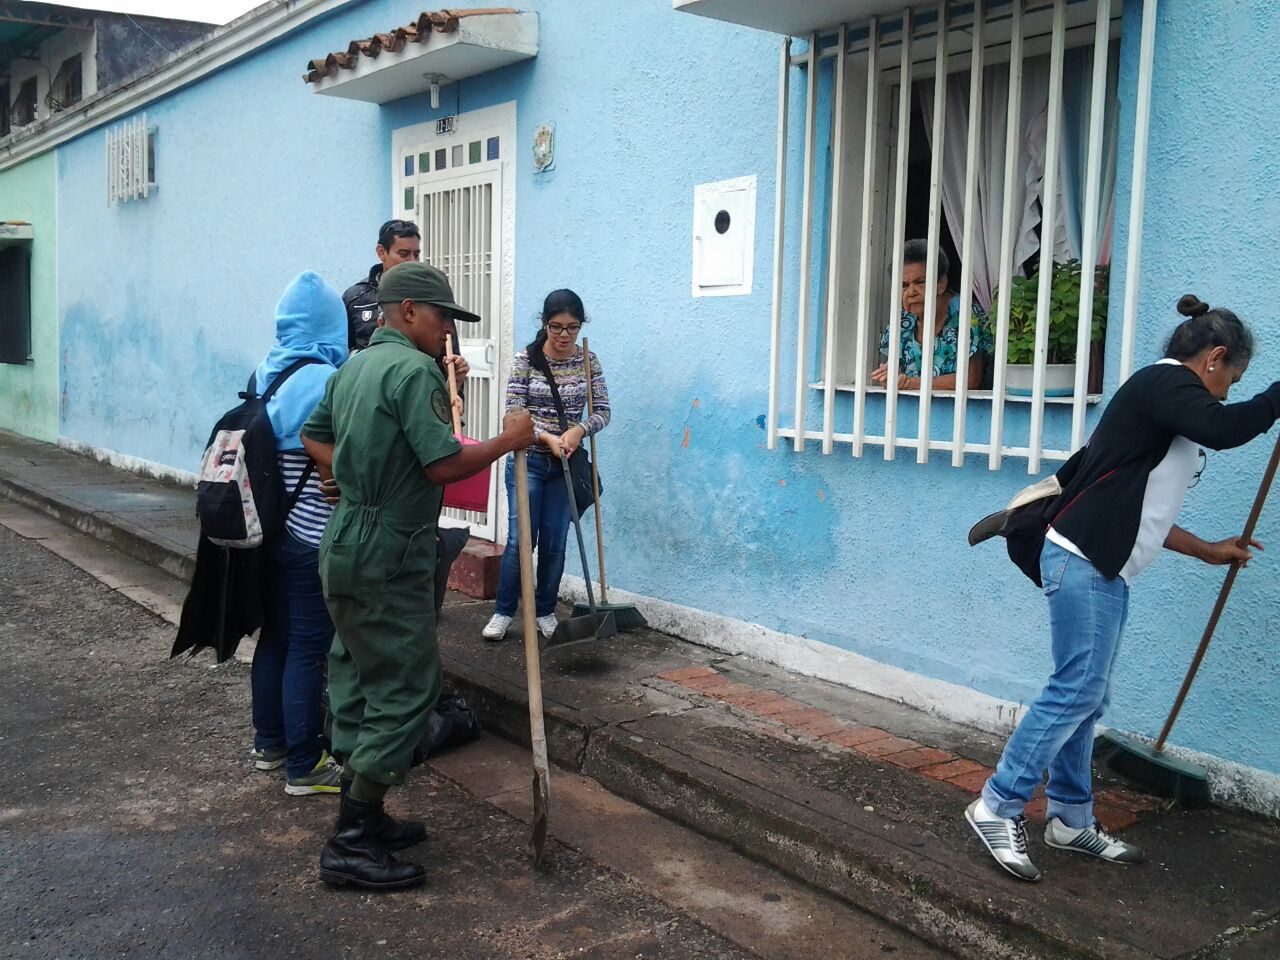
{"x": 383, "y": 432}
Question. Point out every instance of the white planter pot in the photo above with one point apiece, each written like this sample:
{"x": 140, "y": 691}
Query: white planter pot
{"x": 1059, "y": 379}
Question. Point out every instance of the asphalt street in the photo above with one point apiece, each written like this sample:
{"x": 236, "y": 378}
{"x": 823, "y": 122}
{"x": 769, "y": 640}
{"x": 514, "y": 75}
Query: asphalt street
{"x": 132, "y": 824}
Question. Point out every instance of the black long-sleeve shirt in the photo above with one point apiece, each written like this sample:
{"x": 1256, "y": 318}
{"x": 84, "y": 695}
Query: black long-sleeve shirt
{"x": 1105, "y": 484}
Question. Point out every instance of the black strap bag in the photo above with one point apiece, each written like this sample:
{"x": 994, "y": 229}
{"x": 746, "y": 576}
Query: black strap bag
{"x": 579, "y": 463}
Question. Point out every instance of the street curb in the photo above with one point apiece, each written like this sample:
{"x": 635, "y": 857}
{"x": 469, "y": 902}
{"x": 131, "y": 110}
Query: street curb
{"x": 798, "y": 841}
{"x": 778, "y": 832}
{"x": 110, "y": 528}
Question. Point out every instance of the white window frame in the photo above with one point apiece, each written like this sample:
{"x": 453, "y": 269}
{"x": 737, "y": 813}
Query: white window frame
{"x": 131, "y": 161}
{"x": 962, "y": 32}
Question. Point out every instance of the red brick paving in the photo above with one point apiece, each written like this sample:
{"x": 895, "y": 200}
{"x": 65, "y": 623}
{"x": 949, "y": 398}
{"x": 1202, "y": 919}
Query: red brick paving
{"x": 730, "y": 690}
{"x": 886, "y": 747}
{"x": 771, "y": 708}
{"x": 972, "y": 781}
{"x": 1114, "y": 818}
{"x": 820, "y": 728}
{"x": 1126, "y": 800}
{"x": 920, "y": 757}
{"x": 751, "y": 700}
{"x": 801, "y": 716}
{"x": 707, "y": 683}
{"x": 685, "y": 673}
{"x": 1117, "y": 809}
{"x": 952, "y": 769}
{"x": 853, "y": 736}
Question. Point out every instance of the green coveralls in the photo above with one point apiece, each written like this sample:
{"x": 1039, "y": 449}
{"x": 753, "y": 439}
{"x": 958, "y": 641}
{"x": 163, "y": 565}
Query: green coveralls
{"x": 387, "y": 413}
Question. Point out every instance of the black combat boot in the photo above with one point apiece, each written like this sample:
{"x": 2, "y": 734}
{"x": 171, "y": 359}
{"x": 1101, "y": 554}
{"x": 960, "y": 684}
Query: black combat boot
{"x": 392, "y": 833}
{"x": 397, "y": 835}
{"x": 354, "y": 856}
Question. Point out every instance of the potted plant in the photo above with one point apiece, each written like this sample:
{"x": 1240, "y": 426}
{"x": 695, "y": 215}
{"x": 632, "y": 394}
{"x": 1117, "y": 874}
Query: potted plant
{"x": 1064, "y": 311}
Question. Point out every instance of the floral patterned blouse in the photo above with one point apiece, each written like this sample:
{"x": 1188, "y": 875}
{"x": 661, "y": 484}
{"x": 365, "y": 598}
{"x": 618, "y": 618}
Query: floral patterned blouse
{"x": 945, "y": 344}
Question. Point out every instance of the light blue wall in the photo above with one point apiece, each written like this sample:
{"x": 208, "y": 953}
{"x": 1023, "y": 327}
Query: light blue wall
{"x": 1211, "y": 200}
{"x": 168, "y": 301}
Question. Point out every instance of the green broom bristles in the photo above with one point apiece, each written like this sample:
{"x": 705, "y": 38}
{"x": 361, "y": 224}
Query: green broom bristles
{"x": 625, "y": 615}
{"x": 1153, "y": 769}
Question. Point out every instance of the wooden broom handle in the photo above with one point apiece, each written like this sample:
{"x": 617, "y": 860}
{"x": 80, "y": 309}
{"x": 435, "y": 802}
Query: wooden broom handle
{"x": 595, "y": 470}
{"x": 453, "y": 385}
{"x": 532, "y": 660}
{"x": 1263, "y": 489}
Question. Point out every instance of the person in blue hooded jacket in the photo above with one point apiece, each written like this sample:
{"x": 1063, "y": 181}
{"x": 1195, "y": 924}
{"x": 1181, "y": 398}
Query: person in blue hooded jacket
{"x": 289, "y": 663}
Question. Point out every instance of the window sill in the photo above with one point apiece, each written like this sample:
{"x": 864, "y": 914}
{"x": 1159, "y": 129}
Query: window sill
{"x": 847, "y": 387}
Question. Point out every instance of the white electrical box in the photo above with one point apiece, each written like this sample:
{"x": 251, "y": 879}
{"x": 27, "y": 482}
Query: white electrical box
{"x": 724, "y": 230}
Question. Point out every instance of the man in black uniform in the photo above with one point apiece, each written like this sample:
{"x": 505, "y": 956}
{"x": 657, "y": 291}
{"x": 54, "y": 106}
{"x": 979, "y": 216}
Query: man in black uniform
{"x": 398, "y": 242}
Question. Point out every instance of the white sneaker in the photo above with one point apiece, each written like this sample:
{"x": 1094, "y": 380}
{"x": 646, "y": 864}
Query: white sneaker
{"x": 1094, "y": 841}
{"x": 496, "y": 628}
{"x": 1004, "y": 838}
{"x": 547, "y": 625}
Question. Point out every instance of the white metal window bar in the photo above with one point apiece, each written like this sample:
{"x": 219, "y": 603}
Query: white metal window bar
{"x": 914, "y": 33}
{"x": 459, "y": 220}
{"x": 130, "y": 161}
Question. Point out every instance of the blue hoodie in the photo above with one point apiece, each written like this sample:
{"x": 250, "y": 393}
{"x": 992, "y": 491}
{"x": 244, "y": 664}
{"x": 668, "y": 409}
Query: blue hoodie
{"x": 311, "y": 321}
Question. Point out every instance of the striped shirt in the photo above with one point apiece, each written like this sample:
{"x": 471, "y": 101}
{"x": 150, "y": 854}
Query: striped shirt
{"x": 528, "y": 388}
{"x": 309, "y": 515}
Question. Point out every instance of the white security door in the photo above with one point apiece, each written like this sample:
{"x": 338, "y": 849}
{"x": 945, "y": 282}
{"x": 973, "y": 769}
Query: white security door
{"x": 458, "y": 217}
{"x": 451, "y": 183}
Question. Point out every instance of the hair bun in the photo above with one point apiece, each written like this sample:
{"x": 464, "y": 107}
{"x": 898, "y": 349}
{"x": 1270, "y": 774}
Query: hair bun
{"x": 1189, "y": 305}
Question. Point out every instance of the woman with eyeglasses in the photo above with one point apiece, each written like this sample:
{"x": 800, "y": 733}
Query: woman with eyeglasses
{"x": 554, "y": 355}
{"x": 1120, "y": 497}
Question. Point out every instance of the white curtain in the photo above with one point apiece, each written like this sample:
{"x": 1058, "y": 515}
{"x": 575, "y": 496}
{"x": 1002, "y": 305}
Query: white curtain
{"x": 991, "y": 149}
{"x": 1077, "y": 90}
{"x": 1028, "y": 181}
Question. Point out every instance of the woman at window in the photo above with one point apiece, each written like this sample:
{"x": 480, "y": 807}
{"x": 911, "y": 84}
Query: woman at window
{"x": 1120, "y": 497}
{"x": 946, "y": 328}
{"x": 554, "y": 353}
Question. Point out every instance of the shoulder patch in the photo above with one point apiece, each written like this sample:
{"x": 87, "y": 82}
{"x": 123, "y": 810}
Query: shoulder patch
{"x": 440, "y": 404}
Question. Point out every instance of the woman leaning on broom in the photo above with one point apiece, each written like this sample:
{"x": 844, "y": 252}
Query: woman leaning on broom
{"x": 555, "y": 355}
{"x": 1120, "y": 497}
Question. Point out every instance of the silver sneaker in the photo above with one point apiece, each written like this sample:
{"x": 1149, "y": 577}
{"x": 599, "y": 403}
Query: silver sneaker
{"x": 1005, "y": 838}
{"x": 547, "y": 625}
{"x": 1095, "y": 841}
{"x": 496, "y": 628}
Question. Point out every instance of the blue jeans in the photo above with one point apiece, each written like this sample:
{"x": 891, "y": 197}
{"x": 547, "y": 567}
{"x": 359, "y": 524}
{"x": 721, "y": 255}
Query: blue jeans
{"x": 1086, "y": 615}
{"x": 549, "y": 519}
{"x": 289, "y": 663}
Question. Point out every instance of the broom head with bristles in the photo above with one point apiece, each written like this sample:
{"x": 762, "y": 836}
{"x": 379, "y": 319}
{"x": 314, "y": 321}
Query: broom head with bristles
{"x": 625, "y": 615}
{"x": 1154, "y": 770}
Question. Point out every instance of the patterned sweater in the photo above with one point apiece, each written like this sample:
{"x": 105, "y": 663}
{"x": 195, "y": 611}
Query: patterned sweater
{"x": 528, "y": 388}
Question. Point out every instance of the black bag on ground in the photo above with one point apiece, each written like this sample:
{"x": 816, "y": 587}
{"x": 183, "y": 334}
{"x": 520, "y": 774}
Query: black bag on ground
{"x": 451, "y": 724}
{"x": 240, "y": 497}
{"x": 579, "y": 463}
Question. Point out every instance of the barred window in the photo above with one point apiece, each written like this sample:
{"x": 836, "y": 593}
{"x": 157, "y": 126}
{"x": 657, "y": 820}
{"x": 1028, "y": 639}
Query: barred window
{"x": 987, "y": 132}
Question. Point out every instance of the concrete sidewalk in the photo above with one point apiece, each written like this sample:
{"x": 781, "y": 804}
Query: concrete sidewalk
{"x": 859, "y": 796}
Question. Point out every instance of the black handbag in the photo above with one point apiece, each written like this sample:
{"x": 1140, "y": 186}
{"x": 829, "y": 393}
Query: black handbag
{"x": 579, "y": 463}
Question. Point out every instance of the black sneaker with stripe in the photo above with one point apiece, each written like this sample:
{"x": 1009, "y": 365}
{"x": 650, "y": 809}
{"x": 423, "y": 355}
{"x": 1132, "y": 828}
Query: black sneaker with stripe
{"x": 1095, "y": 841}
{"x": 1005, "y": 839}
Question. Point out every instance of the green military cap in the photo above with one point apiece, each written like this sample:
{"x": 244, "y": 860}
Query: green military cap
{"x": 420, "y": 283}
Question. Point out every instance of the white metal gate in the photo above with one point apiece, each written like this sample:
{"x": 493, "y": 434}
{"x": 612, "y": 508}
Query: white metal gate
{"x": 458, "y": 215}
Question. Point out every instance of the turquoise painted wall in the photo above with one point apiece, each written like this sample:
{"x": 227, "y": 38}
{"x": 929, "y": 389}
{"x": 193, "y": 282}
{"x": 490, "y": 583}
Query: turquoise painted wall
{"x": 29, "y": 393}
{"x": 169, "y": 306}
{"x": 167, "y": 302}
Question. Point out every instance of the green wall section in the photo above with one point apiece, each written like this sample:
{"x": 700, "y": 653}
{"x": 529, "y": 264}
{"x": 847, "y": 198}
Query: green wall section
{"x": 29, "y": 393}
